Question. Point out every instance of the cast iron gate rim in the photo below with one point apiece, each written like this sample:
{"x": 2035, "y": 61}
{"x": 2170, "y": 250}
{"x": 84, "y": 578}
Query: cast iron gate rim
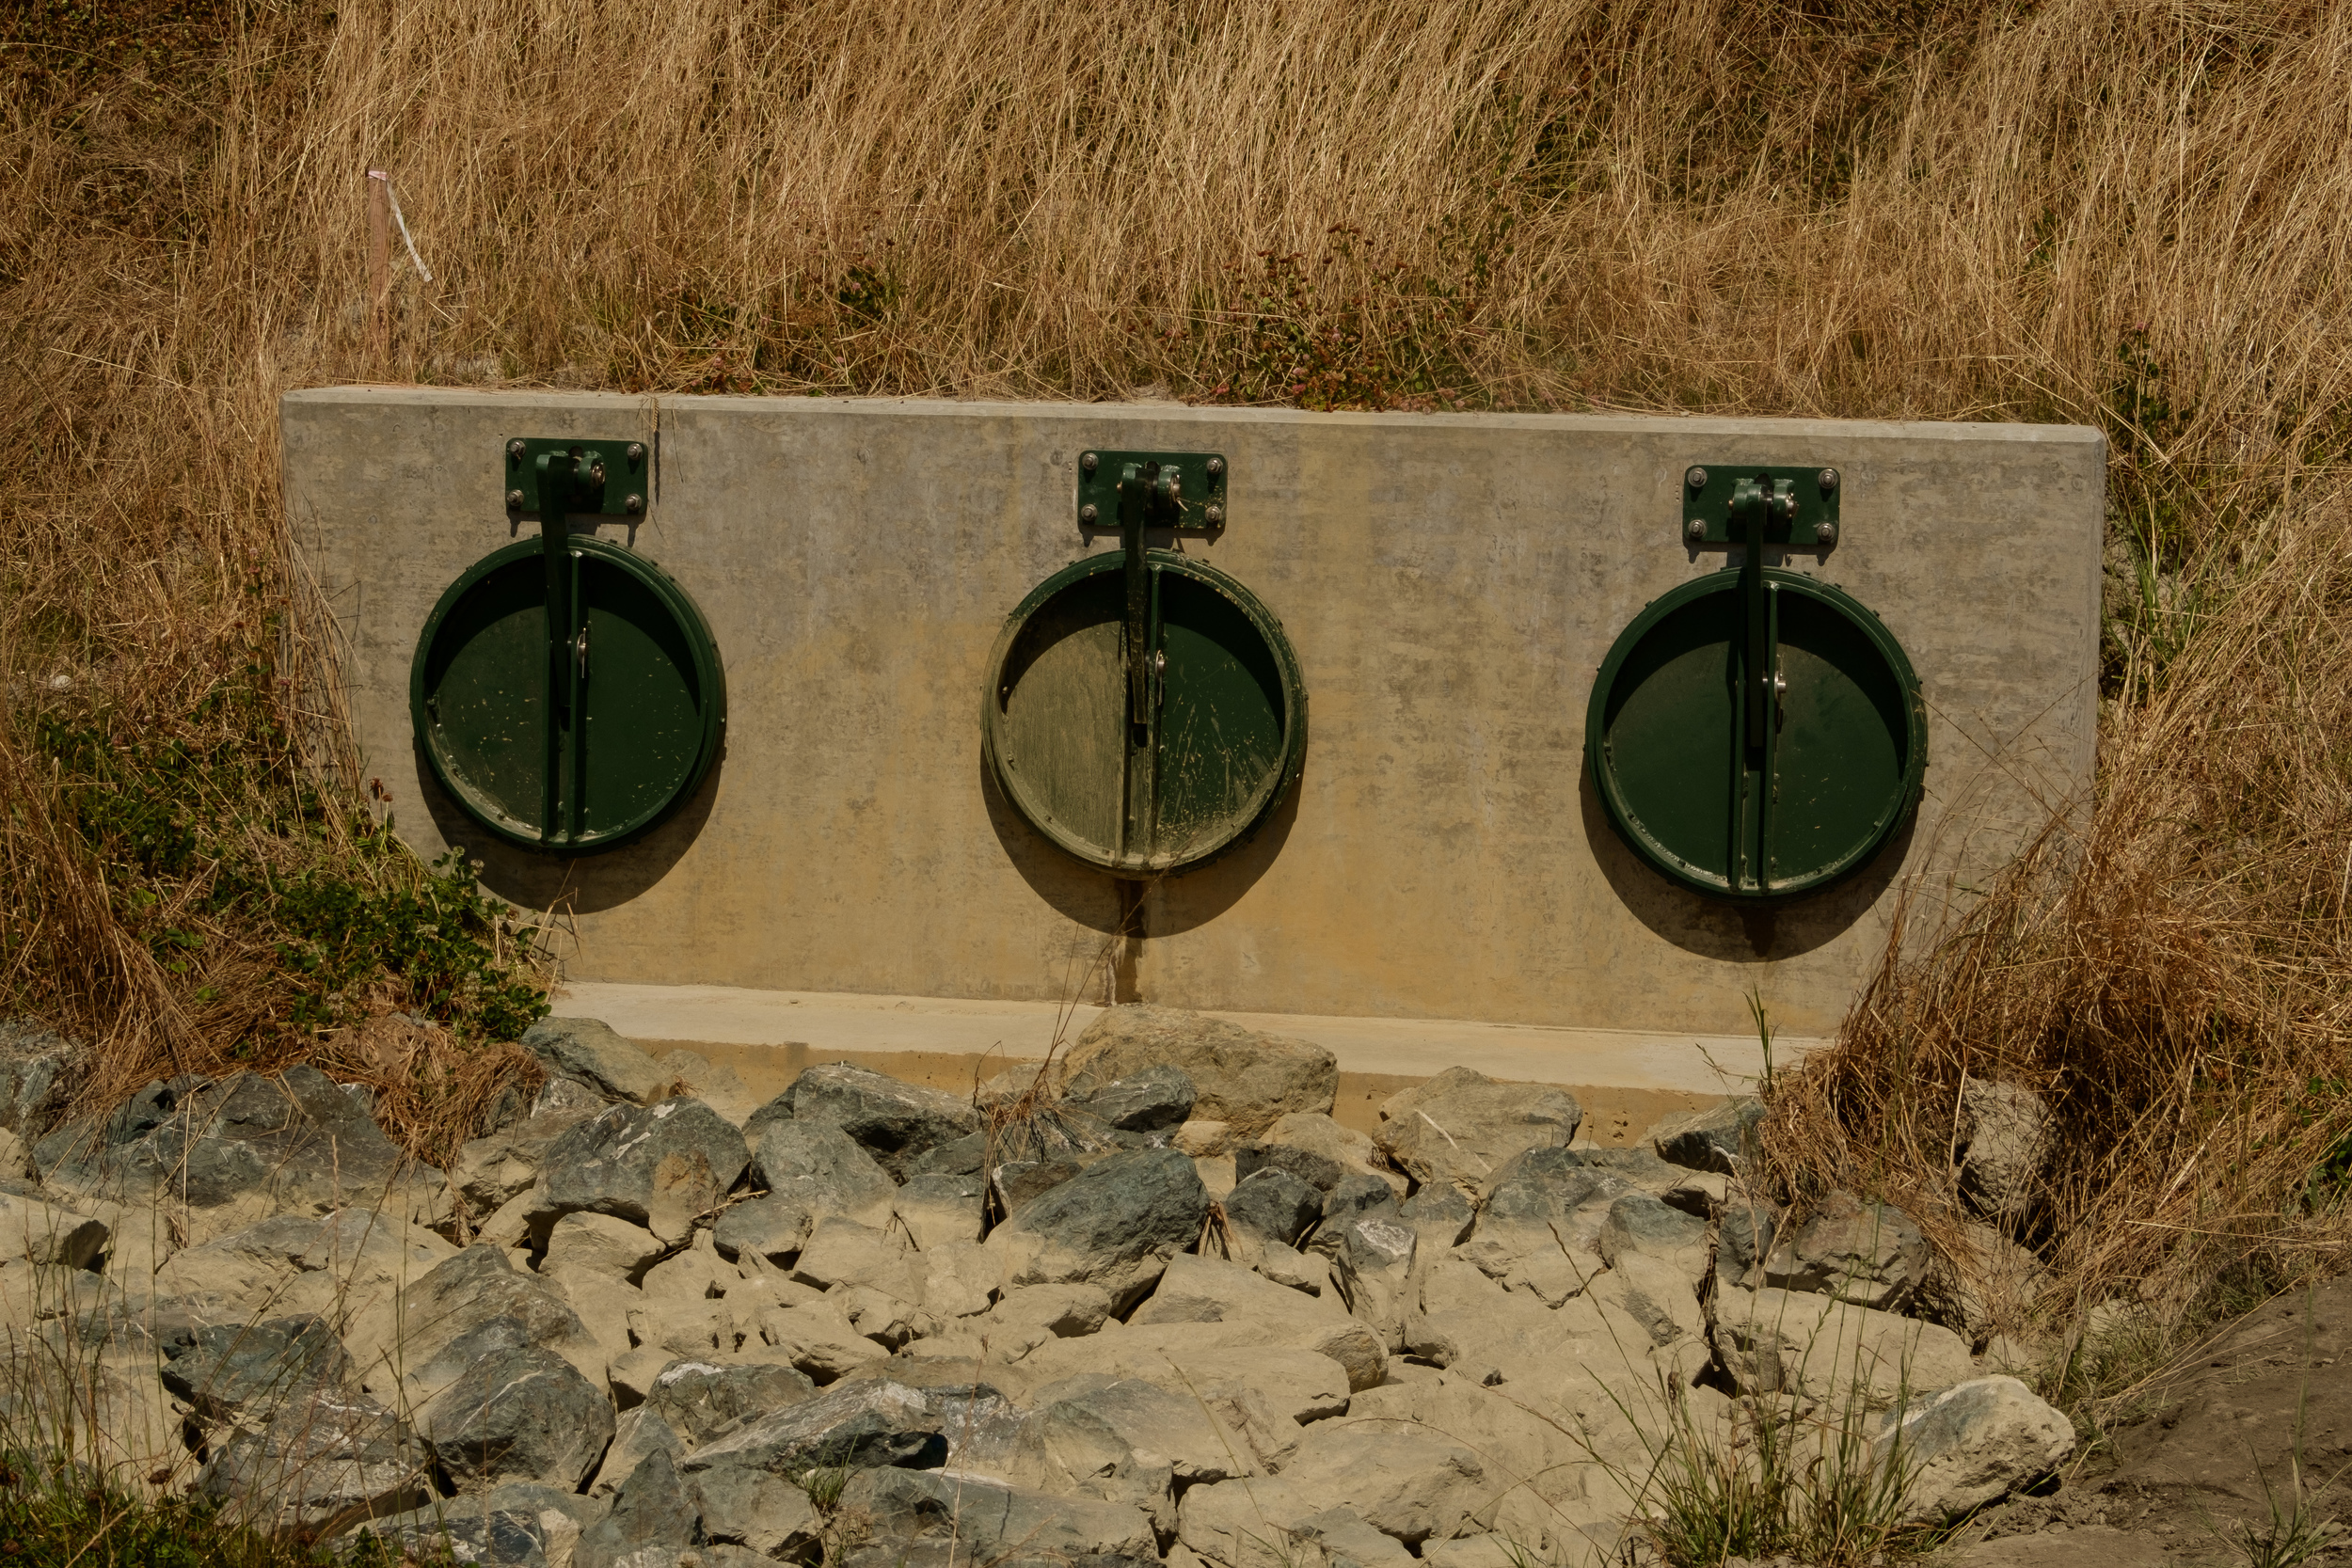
{"x": 1260, "y": 618}
{"x": 1696, "y": 878}
{"x": 710, "y": 672}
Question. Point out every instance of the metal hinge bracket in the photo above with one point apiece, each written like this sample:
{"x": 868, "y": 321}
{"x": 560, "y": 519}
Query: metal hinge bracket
{"x": 612, "y": 479}
{"x": 1183, "y": 490}
{"x": 1798, "y": 507}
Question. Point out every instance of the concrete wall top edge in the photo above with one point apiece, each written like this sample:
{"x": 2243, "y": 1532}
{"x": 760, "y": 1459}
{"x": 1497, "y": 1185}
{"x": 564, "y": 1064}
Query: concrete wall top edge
{"x": 1180, "y": 413}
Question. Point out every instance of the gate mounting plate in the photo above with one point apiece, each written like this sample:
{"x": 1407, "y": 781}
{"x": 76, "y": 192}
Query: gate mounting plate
{"x": 627, "y": 468}
{"x": 1707, "y": 496}
{"x": 1200, "y": 488}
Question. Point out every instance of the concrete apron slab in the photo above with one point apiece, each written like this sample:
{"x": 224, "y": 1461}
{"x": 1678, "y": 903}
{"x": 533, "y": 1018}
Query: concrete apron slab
{"x": 1625, "y": 1080}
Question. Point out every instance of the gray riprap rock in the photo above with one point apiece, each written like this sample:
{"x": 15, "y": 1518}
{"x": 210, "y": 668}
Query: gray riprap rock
{"x": 965, "y": 1156}
{"x": 1311, "y": 1166}
{"x": 895, "y": 1122}
{"x": 1091, "y": 1424}
{"x": 1220, "y": 1362}
{"x": 939, "y": 1209}
{"x": 1866, "y": 1253}
{"x": 775, "y": 1228}
{"x": 819, "y": 1168}
{"x": 655, "y": 1520}
{"x": 232, "y": 1371}
{"x": 700, "y": 1399}
{"x": 488, "y": 1171}
{"x": 1256, "y": 1310}
{"x": 1344, "y": 1539}
{"x": 636, "y": 1436}
{"x": 919, "y": 1518}
{"x": 569, "y": 1097}
{"x": 1411, "y": 1485}
{"x": 2003, "y": 1143}
{"x": 517, "y": 1414}
{"x": 408, "y": 1340}
{"x": 818, "y": 1338}
{"x": 1744, "y": 1233}
{"x": 749, "y": 1508}
{"x": 1654, "y": 1293}
{"x": 591, "y": 1050}
{"x": 239, "y": 1149}
{"x": 1028, "y": 1316}
{"x": 1247, "y": 1522}
{"x": 1274, "y": 1206}
{"x": 844, "y": 1254}
{"x": 603, "y": 1244}
{"x": 1115, "y": 1223}
{"x": 327, "y": 1462}
{"x": 1353, "y": 1152}
{"x": 1156, "y": 1099}
{"x": 858, "y": 1423}
{"x": 1641, "y": 1223}
{"x": 1464, "y": 1127}
{"x": 1016, "y": 1181}
{"x": 483, "y": 1537}
{"x": 33, "y": 1060}
{"x": 1357, "y": 1197}
{"x": 1972, "y": 1443}
{"x": 1372, "y": 1263}
{"x": 1539, "y": 1229}
{"x": 1773, "y": 1341}
{"x": 1717, "y": 1139}
{"x": 32, "y": 1231}
{"x": 1986, "y": 1286}
{"x": 1241, "y": 1078}
{"x": 659, "y": 1165}
{"x": 1441, "y": 1216}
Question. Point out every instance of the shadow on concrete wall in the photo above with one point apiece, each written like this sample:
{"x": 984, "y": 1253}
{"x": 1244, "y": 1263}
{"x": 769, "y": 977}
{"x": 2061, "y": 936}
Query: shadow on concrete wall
{"x": 1098, "y": 901}
{"x": 1735, "y": 933}
{"x": 586, "y": 883}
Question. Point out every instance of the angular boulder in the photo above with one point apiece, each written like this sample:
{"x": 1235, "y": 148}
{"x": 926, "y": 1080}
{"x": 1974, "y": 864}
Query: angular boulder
{"x": 821, "y": 1170}
{"x": 1773, "y": 1341}
{"x": 239, "y": 1149}
{"x": 490, "y": 1171}
{"x": 657, "y": 1165}
{"x": 656, "y": 1522}
{"x": 1867, "y": 1253}
{"x": 521, "y": 1413}
{"x": 1273, "y": 1205}
{"x": 408, "y": 1340}
{"x": 1463, "y": 1127}
{"x": 1241, "y": 1078}
{"x": 327, "y": 1462}
{"x": 1717, "y": 1139}
{"x": 1408, "y": 1485}
{"x": 924, "y": 1519}
{"x": 1353, "y": 1152}
{"x": 1116, "y": 1224}
{"x": 32, "y": 1231}
{"x": 236, "y": 1372}
{"x": 2003, "y": 1145}
{"x": 591, "y": 1052}
{"x": 1157, "y": 1099}
{"x": 863, "y": 1423}
{"x": 773, "y": 1226}
{"x": 895, "y": 1122}
{"x": 1975, "y": 1442}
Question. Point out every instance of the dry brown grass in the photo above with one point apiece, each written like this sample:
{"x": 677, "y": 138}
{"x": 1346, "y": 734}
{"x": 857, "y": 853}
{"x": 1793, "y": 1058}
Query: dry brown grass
{"x": 2120, "y": 212}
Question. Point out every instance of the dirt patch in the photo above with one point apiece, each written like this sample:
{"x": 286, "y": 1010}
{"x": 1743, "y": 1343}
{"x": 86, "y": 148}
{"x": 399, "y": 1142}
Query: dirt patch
{"x": 2204, "y": 1451}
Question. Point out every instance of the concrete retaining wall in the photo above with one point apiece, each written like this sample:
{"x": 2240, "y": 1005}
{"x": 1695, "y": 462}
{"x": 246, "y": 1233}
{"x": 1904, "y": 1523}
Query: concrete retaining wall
{"x": 1451, "y": 584}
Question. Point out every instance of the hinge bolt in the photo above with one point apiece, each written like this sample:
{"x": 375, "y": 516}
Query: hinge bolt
{"x": 1087, "y": 514}
{"x": 1088, "y": 462}
{"x": 636, "y": 449}
{"x": 1216, "y": 515}
{"x": 635, "y": 504}
{"x": 1217, "y": 466}
{"x": 1696, "y": 479}
{"x": 514, "y": 500}
{"x": 514, "y": 449}
{"x": 596, "y": 471}
{"x": 1829, "y": 480}
{"x": 1697, "y": 530}
{"x": 1825, "y": 532}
